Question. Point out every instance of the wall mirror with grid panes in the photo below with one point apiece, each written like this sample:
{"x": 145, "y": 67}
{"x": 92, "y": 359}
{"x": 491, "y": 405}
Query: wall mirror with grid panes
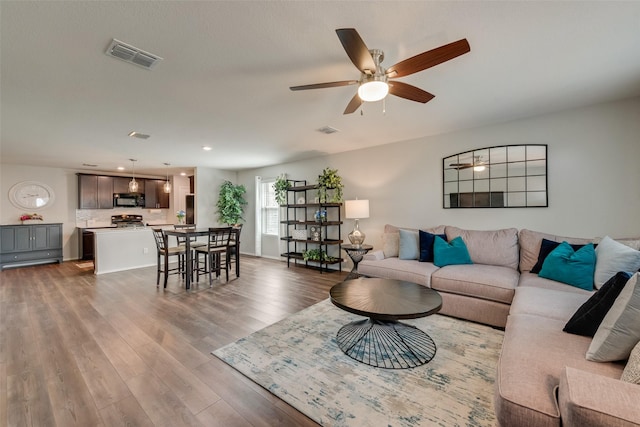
{"x": 507, "y": 176}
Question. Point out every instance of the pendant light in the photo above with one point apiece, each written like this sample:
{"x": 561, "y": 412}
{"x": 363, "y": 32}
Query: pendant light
{"x": 133, "y": 184}
{"x": 167, "y": 185}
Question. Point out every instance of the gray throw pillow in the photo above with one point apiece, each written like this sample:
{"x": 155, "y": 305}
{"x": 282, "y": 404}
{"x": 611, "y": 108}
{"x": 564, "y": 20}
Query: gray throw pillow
{"x": 409, "y": 245}
{"x": 619, "y": 331}
{"x": 613, "y": 257}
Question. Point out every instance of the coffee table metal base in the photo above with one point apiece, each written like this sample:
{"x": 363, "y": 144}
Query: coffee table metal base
{"x": 381, "y": 344}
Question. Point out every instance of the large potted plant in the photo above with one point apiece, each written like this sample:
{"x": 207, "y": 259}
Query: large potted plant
{"x": 231, "y": 203}
{"x": 330, "y": 180}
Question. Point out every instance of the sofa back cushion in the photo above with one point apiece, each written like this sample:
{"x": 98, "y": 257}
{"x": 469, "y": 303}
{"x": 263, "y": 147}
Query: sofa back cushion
{"x": 530, "y": 242}
{"x": 496, "y": 247}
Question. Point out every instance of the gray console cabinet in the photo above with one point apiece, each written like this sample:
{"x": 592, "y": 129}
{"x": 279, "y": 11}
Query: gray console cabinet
{"x": 22, "y": 245}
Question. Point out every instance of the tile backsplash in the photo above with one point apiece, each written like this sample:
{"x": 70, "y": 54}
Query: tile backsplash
{"x": 87, "y": 218}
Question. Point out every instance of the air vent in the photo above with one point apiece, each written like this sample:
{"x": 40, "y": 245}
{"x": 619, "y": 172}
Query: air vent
{"x": 328, "y": 130}
{"x": 132, "y": 54}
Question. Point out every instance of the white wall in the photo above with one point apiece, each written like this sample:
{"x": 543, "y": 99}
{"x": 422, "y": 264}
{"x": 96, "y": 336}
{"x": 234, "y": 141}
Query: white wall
{"x": 207, "y": 186}
{"x": 593, "y": 176}
{"x": 64, "y": 184}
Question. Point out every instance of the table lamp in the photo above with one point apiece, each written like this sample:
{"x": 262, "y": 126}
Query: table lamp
{"x": 356, "y": 209}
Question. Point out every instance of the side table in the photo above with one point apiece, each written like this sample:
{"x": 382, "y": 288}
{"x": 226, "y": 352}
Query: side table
{"x": 355, "y": 253}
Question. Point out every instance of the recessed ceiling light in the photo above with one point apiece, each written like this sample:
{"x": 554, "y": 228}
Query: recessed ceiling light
{"x": 206, "y": 148}
{"x": 183, "y": 174}
{"x": 120, "y": 168}
{"x": 140, "y": 135}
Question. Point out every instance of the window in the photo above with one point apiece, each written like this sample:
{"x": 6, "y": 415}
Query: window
{"x": 270, "y": 209}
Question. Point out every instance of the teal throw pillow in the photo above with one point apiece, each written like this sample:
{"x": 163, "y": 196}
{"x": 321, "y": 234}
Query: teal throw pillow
{"x": 566, "y": 265}
{"x": 452, "y": 253}
{"x": 409, "y": 246}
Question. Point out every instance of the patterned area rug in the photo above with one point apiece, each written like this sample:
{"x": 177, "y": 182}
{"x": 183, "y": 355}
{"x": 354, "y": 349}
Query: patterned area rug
{"x": 297, "y": 359}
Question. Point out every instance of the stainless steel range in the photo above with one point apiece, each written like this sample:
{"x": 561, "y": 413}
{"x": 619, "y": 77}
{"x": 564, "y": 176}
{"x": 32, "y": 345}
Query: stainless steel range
{"x": 125, "y": 220}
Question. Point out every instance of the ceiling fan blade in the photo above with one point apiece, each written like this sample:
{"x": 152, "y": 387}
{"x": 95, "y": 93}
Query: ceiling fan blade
{"x": 429, "y": 59}
{"x": 356, "y": 50}
{"x": 410, "y": 92}
{"x": 354, "y": 104}
{"x": 325, "y": 85}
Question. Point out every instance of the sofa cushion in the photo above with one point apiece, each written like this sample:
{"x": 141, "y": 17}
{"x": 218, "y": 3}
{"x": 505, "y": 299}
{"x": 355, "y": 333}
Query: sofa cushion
{"x": 550, "y": 303}
{"x": 588, "y": 400}
{"x": 631, "y": 373}
{"x": 530, "y": 242}
{"x": 620, "y": 329}
{"x": 450, "y": 253}
{"x": 497, "y": 247}
{"x": 391, "y": 244}
{"x": 534, "y": 354}
{"x": 394, "y": 268}
{"x": 533, "y": 280}
{"x": 586, "y": 320}
{"x": 426, "y": 245}
{"x": 546, "y": 247}
{"x": 612, "y": 258}
{"x": 489, "y": 282}
{"x": 409, "y": 245}
{"x": 575, "y": 268}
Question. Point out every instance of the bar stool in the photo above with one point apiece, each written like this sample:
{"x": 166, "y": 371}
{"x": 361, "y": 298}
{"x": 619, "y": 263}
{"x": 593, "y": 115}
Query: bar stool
{"x": 215, "y": 253}
{"x": 164, "y": 251}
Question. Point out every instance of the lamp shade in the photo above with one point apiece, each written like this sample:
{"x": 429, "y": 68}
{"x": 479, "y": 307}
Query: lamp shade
{"x": 356, "y": 209}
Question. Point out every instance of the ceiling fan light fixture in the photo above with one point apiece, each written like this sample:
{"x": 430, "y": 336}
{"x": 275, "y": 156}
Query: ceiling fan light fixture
{"x": 372, "y": 91}
{"x": 479, "y": 168}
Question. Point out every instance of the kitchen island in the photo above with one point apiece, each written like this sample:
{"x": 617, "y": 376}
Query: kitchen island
{"x": 118, "y": 249}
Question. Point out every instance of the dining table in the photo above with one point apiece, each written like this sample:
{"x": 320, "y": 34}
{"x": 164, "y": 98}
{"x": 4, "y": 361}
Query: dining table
{"x": 188, "y": 234}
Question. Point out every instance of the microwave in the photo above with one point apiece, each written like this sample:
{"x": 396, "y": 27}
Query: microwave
{"x": 128, "y": 200}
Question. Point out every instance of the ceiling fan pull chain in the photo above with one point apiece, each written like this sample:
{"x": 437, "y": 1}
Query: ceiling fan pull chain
{"x": 384, "y": 106}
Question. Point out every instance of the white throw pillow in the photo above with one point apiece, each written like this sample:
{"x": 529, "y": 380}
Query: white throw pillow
{"x": 391, "y": 244}
{"x": 620, "y": 329}
{"x": 631, "y": 373}
{"x": 613, "y": 257}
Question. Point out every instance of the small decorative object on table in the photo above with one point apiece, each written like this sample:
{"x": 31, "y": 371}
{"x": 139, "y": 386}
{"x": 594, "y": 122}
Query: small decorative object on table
{"x": 33, "y": 218}
{"x": 180, "y": 215}
{"x": 321, "y": 215}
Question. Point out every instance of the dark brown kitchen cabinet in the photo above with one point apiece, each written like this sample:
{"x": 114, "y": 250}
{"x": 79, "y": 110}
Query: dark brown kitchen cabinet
{"x": 95, "y": 192}
{"x": 121, "y": 184}
{"x": 154, "y": 195}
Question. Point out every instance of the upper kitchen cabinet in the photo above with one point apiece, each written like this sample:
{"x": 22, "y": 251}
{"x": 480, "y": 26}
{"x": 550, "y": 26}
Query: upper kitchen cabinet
{"x": 95, "y": 192}
{"x": 154, "y": 195}
{"x": 121, "y": 184}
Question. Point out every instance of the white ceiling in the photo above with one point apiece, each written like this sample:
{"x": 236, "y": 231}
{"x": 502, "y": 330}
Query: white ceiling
{"x": 228, "y": 65}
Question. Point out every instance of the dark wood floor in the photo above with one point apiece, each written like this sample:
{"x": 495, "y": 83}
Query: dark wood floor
{"x": 84, "y": 350}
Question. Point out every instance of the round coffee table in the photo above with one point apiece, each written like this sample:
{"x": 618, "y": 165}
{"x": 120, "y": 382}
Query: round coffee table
{"x": 381, "y": 340}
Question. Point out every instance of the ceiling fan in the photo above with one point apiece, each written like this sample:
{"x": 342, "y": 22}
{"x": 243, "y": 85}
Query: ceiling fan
{"x": 375, "y": 81}
{"x": 478, "y": 164}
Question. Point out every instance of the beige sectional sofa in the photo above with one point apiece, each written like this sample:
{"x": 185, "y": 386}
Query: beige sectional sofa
{"x": 543, "y": 377}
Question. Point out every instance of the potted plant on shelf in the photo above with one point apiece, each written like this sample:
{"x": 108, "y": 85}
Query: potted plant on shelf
{"x": 281, "y": 186}
{"x": 316, "y": 255}
{"x": 330, "y": 180}
{"x": 231, "y": 203}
